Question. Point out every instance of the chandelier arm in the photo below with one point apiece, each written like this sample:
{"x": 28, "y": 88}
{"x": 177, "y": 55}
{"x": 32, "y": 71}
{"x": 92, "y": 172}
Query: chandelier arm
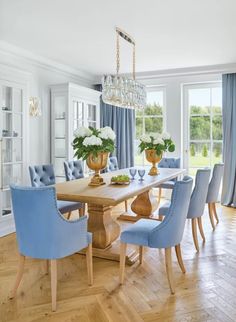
{"x": 117, "y": 53}
{"x": 134, "y": 61}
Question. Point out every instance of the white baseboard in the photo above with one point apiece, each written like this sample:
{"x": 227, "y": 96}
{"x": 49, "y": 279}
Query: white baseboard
{"x": 7, "y": 227}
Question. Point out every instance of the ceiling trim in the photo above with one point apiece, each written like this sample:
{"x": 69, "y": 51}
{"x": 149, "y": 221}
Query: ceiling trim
{"x": 43, "y": 62}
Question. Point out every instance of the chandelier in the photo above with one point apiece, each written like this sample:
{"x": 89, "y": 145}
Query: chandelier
{"x": 119, "y": 90}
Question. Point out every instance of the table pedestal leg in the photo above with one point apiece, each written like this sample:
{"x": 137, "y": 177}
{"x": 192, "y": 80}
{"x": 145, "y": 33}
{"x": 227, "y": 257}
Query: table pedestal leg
{"x": 143, "y": 207}
{"x": 105, "y": 235}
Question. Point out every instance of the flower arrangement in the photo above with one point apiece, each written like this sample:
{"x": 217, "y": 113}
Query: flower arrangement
{"x": 93, "y": 141}
{"x": 158, "y": 142}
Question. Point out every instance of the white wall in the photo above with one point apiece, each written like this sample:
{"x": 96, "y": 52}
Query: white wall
{"x": 39, "y": 74}
{"x": 174, "y": 110}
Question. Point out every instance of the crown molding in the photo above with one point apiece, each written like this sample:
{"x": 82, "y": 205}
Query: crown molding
{"x": 46, "y": 63}
{"x": 188, "y": 71}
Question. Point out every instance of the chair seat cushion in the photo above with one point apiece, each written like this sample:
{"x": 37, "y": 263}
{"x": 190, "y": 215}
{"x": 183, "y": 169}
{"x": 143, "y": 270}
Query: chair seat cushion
{"x": 167, "y": 185}
{"x": 163, "y": 210}
{"x": 67, "y": 206}
{"x": 139, "y": 232}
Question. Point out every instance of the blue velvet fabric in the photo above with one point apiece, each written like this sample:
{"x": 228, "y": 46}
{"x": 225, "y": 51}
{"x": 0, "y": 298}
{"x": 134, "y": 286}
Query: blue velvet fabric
{"x": 122, "y": 121}
{"x": 229, "y": 139}
{"x": 73, "y": 170}
{"x": 198, "y": 196}
{"x": 214, "y": 185}
{"x": 42, "y": 232}
{"x": 42, "y": 176}
{"x": 113, "y": 164}
{"x": 169, "y": 232}
{"x": 169, "y": 163}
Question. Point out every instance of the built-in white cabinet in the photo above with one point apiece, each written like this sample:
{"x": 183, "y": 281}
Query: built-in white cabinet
{"x": 71, "y": 106}
{"x": 12, "y": 146}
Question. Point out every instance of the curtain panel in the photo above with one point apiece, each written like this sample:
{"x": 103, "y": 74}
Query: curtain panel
{"x": 122, "y": 121}
{"x": 229, "y": 139}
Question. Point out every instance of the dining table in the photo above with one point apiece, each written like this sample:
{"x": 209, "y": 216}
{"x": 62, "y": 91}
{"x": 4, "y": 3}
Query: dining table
{"x": 101, "y": 199}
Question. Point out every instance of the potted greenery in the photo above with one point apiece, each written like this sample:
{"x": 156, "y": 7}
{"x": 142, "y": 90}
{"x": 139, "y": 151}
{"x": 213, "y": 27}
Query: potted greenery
{"x": 154, "y": 146}
{"x": 94, "y": 146}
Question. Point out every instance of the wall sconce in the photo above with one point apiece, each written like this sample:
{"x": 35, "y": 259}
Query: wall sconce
{"x": 34, "y": 107}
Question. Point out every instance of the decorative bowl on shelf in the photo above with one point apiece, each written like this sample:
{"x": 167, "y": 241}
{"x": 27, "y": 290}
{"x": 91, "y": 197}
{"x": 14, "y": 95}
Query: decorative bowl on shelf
{"x": 121, "y": 179}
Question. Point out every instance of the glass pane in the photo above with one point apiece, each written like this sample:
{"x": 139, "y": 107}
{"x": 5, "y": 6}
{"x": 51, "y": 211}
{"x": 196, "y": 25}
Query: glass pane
{"x": 199, "y": 109}
{"x": 153, "y": 109}
{"x": 17, "y": 96}
{"x": 92, "y": 124}
{"x": 200, "y": 128}
{"x": 217, "y": 152}
{"x": 199, "y": 155}
{"x": 216, "y": 98}
{"x": 6, "y": 98}
{"x": 92, "y": 112}
{"x": 17, "y": 123}
{"x": 60, "y": 107}
{"x": 7, "y": 150}
{"x": 153, "y": 125}
{"x": 155, "y": 98}
{"x": 6, "y": 124}
{"x": 11, "y": 174}
{"x": 60, "y": 129}
{"x": 217, "y": 127}
{"x": 139, "y": 127}
{"x": 60, "y": 148}
{"x": 6, "y": 202}
{"x": 59, "y": 167}
{"x": 138, "y": 159}
{"x": 17, "y": 150}
{"x": 78, "y": 110}
{"x": 199, "y": 97}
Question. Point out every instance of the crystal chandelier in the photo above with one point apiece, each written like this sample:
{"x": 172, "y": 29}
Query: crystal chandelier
{"x": 119, "y": 90}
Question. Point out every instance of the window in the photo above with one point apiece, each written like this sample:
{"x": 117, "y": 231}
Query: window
{"x": 205, "y": 126}
{"x": 149, "y": 120}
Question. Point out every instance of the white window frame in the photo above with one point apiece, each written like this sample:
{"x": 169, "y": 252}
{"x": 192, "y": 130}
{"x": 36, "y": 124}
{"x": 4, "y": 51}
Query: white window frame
{"x": 154, "y": 89}
{"x": 186, "y": 119}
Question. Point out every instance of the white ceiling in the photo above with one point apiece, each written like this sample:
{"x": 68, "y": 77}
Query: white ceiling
{"x": 168, "y": 33}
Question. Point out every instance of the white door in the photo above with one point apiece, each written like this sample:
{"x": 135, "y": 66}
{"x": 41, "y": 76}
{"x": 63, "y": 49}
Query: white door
{"x": 202, "y": 125}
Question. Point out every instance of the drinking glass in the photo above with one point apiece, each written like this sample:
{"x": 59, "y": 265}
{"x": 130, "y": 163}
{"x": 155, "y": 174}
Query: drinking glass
{"x": 133, "y": 173}
{"x": 141, "y": 173}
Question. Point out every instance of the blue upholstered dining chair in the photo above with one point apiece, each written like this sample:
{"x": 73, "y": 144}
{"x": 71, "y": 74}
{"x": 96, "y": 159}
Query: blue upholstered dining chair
{"x": 113, "y": 166}
{"x": 213, "y": 192}
{"x": 168, "y": 163}
{"x": 43, "y": 175}
{"x": 43, "y": 233}
{"x": 165, "y": 234}
{"x": 73, "y": 170}
{"x": 196, "y": 205}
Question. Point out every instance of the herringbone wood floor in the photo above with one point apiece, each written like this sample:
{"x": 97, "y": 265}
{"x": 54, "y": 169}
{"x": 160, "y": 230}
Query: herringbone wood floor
{"x": 205, "y": 293}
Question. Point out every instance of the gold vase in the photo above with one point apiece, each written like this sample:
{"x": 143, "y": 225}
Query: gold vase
{"x": 97, "y": 163}
{"x": 152, "y": 157}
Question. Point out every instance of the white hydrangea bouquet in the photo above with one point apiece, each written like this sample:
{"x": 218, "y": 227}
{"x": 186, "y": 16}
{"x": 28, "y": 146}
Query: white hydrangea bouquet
{"x": 93, "y": 141}
{"x": 158, "y": 142}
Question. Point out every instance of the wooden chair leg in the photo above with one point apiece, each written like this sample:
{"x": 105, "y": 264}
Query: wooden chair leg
{"x": 194, "y": 231}
{"x": 54, "y": 284}
{"x": 81, "y": 212}
{"x": 126, "y": 205}
{"x": 159, "y": 196}
{"x": 47, "y": 266}
{"x": 214, "y": 212}
{"x": 169, "y": 270}
{"x": 199, "y": 221}
{"x": 211, "y": 215}
{"x": 141, "y": 248}
{"x": 180, "y": 259}
{"x": 123, "y": 248}
{"x": 69, "y": 214}
{"x": 160, "y": 217}
{"x": 18, "y": 276}
{"x": 89, "y": 259}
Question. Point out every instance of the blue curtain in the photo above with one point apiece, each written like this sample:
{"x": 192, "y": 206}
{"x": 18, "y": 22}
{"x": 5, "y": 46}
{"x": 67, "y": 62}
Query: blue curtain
{"x": 122, "y": 121}
{"x": 229, "y": 140}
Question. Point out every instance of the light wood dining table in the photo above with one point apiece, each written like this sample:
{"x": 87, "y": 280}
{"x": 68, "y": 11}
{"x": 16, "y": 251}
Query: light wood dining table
{"x": 101, "y": 199}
